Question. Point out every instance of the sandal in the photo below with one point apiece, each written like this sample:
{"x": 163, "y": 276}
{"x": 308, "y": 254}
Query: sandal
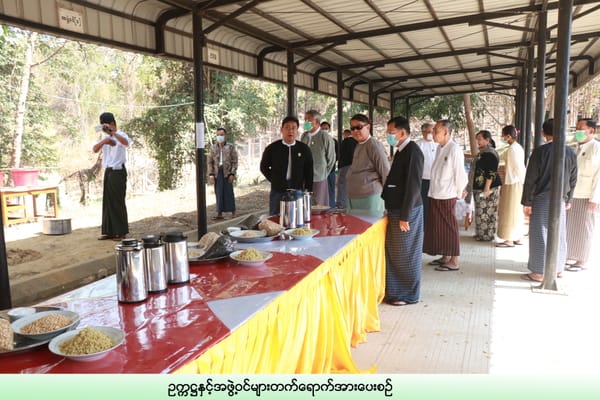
{"x": 528, "y": 277}
{"x": 439, "y": 261}
{"x": 446, "y": 267}
{"x": 504, "y": 244}
{"x": 398, "y": 303}
{"x": 575, "y": 268}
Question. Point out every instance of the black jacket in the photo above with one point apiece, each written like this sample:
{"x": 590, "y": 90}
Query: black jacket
{"x": 274, "y": 163}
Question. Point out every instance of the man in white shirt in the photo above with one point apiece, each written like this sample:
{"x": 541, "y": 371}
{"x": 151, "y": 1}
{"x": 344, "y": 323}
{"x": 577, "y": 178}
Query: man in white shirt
{"x": 429, "y": 147}
{"x": 581, "y": 217}
{"x": 447, "y": 184}
{"x": 114, "y": 145}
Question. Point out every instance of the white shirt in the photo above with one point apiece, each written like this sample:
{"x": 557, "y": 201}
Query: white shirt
{"x": 448, "y": 175}
{"x": 588, "y": 171}
{"x": 429, "y": 149}
{"x": 514, "y": 159}
{"x": 115, "y": 156}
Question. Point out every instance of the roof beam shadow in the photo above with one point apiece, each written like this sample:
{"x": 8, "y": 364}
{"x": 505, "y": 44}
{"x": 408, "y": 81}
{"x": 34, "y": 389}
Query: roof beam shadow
{"x": 231, "y": 16}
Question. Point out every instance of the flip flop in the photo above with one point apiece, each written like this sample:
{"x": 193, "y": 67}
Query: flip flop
{"x": 439, "y": 261}
{"x": 518, "y": 242}
{"x": 575, "y": 268}
{"x": 399, "y": 303}
{"x": 104, "y": 237}
{"x": 446, "y": 267}
{"x": 528, "y": 277}
{"x": 218, "y": 217}
{"x": 503, "y": 244}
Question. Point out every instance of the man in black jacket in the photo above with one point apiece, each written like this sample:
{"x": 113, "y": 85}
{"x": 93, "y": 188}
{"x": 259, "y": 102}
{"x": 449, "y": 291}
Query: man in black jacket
{"x": 287, "y": 164}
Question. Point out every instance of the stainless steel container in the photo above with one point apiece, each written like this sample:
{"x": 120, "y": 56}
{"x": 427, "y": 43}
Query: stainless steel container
{"x": 178, "y": 267}
{"x": 131, "y": 274}
{"x": 155, "y": 264}
{"x": 299, "y": 209}
{"x": 56, "y": 226}
{"x": 306, "y": 202}
{"x": 287, "y": 211}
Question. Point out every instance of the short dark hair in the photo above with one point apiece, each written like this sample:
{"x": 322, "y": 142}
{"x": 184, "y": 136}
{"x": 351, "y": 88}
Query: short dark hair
{"x": 509, "y": 130}
{"x": 290, "y": 118}
{"x": 107, "y": 118}
{"x": 548, "y": 127}
{"x": 347, "y": 131}
{"x": 591, "y": 123}
{"x": 360, "y": 117}
{"x": 400, "y": 123}
{"x": 222, "y": 129}
{"x": 326, "y": 123}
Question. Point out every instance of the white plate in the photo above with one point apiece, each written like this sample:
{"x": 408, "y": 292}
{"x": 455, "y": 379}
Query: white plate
{"x": 22, "y": 322}
{"x": 248, "y": 234}
{"x": 265, "y": 254}
{"x": 116, "y": 335}
{"x": 301, "y": 237}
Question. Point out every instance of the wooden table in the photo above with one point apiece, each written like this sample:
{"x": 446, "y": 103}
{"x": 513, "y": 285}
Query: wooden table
{"x": 20, "y": 193}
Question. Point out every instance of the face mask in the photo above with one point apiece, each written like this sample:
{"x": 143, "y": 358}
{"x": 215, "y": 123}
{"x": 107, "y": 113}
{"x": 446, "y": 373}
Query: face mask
{"x": 220, "y": 139}
{"x": 307, "y": 125}
{"x": 580, "y": 136}
{"x": 430, "y": 136}
{"x": 324, "y": 130}
{"x": 391, "y": 139}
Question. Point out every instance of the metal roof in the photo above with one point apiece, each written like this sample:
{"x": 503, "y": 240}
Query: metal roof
{"x": 403, "y": 48}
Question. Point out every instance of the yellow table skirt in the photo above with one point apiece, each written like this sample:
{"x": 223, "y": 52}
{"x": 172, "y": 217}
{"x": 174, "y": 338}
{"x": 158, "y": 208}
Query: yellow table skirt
{"x": 310, "y": 328}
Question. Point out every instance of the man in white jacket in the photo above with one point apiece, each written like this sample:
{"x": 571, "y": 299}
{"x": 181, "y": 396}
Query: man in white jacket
{"x": 581, "y": 217}
{"x": 448, "y": 182}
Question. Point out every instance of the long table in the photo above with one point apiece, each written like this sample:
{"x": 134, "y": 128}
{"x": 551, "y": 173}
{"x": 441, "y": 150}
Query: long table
{"x": 300, "y": 312}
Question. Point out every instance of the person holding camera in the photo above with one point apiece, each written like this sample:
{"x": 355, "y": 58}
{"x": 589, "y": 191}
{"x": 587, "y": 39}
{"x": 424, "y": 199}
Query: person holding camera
{"x": 114, "y": 145}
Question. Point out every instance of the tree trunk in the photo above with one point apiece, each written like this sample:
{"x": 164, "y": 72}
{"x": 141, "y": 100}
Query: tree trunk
{"x": 15, "y": 157}
{"x": 470, "y": 124}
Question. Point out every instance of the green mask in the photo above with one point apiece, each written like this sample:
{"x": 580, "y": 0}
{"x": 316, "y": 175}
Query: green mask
{"x": 580, "y": 136}
{"x": 307, "y": 125}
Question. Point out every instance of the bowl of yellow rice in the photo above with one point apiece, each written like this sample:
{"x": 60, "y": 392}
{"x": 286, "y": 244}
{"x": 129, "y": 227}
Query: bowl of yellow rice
{"x": 87, "y": 344}
{"x": 302, "y": 233}
{"x": 250, "y": 256}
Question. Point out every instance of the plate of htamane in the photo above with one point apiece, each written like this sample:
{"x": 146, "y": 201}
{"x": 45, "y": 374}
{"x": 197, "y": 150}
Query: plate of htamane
{"x": 250, "y": 256}
{"x": 46, "y": 324}
{"x": 251, "y": 236}
{"x": 302, "y": 233}
{"x": 87, "y": 344}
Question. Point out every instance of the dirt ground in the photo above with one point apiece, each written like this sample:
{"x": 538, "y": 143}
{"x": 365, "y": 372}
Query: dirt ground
{"x": 30, "y": 252}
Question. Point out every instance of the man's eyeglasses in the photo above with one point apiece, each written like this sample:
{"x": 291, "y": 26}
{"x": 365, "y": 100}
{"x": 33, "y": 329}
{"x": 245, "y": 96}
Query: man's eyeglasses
{"x": 357, "y": 127}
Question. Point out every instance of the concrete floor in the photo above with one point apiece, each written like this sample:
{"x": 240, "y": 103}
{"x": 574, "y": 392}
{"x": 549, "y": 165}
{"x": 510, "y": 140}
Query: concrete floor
{"x": 485, "y": 319}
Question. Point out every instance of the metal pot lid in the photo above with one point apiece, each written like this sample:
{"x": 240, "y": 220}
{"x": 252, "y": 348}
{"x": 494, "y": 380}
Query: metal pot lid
{"x": 174, "y": 236}
{"x": 151, "y": 241}
{"x": 129, "y": 244}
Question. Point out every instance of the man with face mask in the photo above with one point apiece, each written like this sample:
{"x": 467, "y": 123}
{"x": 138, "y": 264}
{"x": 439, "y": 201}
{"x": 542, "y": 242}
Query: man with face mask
{"x": 322, "y": 148}
{"x": 326, "y": 128}
{"x": 428, "y": 147}
{"x": 222, "y": 167}
{"x": 581, "y": 217}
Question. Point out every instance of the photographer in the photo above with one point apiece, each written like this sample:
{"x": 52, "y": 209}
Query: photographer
{"x": 114, "y": 145}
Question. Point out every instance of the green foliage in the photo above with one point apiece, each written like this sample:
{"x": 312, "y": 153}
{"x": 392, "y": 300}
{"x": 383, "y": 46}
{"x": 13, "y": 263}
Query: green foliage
{"x": 167, "y": 130}
{"x": 442, "y": 107}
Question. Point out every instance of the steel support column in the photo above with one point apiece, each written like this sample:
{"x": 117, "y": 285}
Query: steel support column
{"x": 340, "y": 106}
{"x": 291, "y": 90}
{"x": 565, "y": 13}
{"x": 523, "y": 105}
{"x": 518, "y": 111}
{"x": 5, "y": 300}
{"x": 371, "y": 107}
{"x": 198, "y": 45}
{"x": 540, "y": 79}
{"x": 529, "y": 101}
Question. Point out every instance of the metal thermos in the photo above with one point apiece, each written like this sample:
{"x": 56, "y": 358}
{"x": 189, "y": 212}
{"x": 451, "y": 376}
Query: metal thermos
{"x": 287, "y": 211}
{"x": 178, "y": 266}
{"x": 131, "y": 274}
{"x": 155, "y": 264}
{"x": 299, "y": 207}
{"x": 306, "y": 202}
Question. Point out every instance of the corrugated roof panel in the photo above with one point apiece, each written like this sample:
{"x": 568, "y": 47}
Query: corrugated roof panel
{"x": 404, "y": 13}
{"x": 427, "y": 41}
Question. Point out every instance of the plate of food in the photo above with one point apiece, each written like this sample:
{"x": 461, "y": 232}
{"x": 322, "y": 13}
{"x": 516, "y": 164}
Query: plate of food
{"x": 251, "y": 236}
{"x": 302, "y": 233}
{"x": 250, "y": 256}
{"x": 87, "y": 344}
{"x": 14, "y": 344}
{"x": 211, "y": 247}
{"x": 319, "y": 209}
{"x": 46, "y": 324}
{"x": 197, "y": 255}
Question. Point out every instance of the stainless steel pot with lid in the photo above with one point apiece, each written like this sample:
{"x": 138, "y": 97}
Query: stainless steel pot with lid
{"x": 131, "y": 274}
